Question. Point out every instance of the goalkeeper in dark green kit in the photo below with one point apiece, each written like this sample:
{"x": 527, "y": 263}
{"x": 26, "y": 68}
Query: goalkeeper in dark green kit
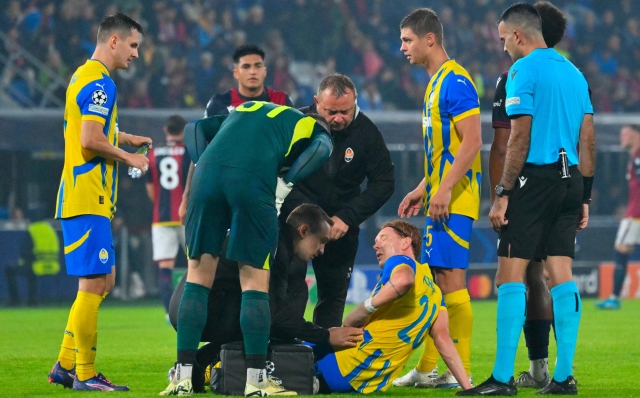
{"x": 235, "y": 186}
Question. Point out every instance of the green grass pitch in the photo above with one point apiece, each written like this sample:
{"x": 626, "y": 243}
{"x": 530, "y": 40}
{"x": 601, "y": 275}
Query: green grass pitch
{"x": 136, "y": 347}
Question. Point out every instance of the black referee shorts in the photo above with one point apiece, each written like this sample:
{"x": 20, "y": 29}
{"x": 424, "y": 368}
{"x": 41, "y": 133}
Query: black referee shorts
{"x": 543, "y": 214}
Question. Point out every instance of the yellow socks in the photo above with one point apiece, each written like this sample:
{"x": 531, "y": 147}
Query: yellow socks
{"x": 429, "y": 357}
{"x": 84, "y": 324}
{"x": 460, "y": 324}
{"x": 67, "y": 356}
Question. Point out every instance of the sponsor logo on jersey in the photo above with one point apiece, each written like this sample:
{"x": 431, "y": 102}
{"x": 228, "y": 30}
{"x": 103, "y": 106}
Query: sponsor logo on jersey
{"x": 99, "y": 109}
{"x": 512, "y": 101}
{"x": 523, "y": 181}
{"x": 348, "y": 155}
{"x": 103, "y": 256}
{"x": 513, "y": 73}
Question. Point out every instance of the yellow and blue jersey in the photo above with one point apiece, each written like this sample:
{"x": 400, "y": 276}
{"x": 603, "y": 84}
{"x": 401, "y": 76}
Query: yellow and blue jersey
{"x": 394, "y": 332}
{"x": 89, "y": 182}
{"x": 450, "y": 97}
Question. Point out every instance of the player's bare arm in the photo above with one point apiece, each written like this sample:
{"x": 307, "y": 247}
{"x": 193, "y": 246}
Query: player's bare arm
{"x": 440, "y": 334}
{"x": 150, "y": 191}
{"x": 412, "y": 203}
{"x": 182, "y": 211}
{"x": 517, "y": 151}
{"x": 587, "y": 160}
{"x": 496, "y": 157}
{"x": 402, "y": 280}
{"x": 135, "y": 141}
{"x": 470, "y": 144}
{"x": 93, "y": 139}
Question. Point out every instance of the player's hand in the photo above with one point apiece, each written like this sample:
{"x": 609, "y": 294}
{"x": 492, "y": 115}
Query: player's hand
{"x": 584, "y": 217}
{"x": 498, "y": 210}
{"x": 345, "y": 336}
{"x": 411, "y": 204}
{"x": 439, "y": 205}
{"x": 182, "y": 211}
{"x": 338, "y": 229}
{"x": 138, "y": 161}
{"x": 282, "y": 190}
{"x": 135, "y": 141}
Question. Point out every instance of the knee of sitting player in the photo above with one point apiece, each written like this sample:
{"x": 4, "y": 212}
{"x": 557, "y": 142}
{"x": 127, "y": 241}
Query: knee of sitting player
{"x": 624, "y": 249}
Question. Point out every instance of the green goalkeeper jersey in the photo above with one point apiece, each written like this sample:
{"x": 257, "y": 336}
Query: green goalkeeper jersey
{"x": 260, "y": 137}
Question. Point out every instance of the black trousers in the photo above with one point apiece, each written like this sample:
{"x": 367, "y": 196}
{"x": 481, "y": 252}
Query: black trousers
{"x": 25, "y": 271}
{"x": 333, "y": 274}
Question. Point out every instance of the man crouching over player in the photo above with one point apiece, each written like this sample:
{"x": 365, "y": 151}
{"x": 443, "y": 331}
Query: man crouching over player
{"x": 403, "y": 307}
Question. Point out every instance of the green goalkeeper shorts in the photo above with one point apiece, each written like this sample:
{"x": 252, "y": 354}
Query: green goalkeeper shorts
{"x": 227, "y": 198}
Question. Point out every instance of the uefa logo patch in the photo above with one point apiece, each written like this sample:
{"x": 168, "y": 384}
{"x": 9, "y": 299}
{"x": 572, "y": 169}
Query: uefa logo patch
{"x": 99, "y": 97}
{"x": 103, "y": 256}
{"x": 348, "y": 155}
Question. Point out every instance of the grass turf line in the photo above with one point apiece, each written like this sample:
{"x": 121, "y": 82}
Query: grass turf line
{"x": 137, "y": 347}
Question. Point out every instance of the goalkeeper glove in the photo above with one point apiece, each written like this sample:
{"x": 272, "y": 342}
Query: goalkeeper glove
{"x": 282, "y": 190}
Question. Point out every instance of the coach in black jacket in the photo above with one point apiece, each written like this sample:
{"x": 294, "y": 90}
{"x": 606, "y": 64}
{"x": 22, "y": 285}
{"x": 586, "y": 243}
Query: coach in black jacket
{"x": 359, "y": 153}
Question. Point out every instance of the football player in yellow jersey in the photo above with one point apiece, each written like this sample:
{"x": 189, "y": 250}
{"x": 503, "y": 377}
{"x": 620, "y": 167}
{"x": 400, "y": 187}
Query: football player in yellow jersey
{"x": 450, "y": 191}
{"x": 87, "y": 196}
{"x": 402, "y": 310}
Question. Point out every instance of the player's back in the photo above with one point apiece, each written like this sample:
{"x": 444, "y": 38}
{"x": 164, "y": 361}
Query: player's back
{"x": 260, "y": 137}
{"x": 394, "y": 332}
{"x": 168, "y": 168}
{"x": 89, "y": 182}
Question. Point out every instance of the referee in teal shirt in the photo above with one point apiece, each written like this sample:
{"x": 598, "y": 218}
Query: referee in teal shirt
{"x": 543, "y": 196}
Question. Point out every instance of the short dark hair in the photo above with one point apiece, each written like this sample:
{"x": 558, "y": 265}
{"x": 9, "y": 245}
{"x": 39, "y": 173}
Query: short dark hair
{"x": 405, "y": 229}
{"x": 118, "y": 22}
{"x": 423, "y": 21}
{"x": 309, "y": 214}
{"x": 175, "y": 125}
{"x": 247, "y": 49}
{"x": 634, "y": 127}
{"x": 321, "y": 121}
{"x": 554, "y": 23}
{"x": 338, "y": 83}
{"x": 523, "y": 15}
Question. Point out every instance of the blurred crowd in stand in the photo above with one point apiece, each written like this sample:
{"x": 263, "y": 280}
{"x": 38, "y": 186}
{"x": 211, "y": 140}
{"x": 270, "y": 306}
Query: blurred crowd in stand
{"x": 186, "y": 54}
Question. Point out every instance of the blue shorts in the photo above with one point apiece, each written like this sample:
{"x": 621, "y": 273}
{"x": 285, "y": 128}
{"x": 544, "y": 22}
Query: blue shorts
{"x": 88, "y": 245}
{"x": 446, "y": 245}
{"x": 327, "y": 368}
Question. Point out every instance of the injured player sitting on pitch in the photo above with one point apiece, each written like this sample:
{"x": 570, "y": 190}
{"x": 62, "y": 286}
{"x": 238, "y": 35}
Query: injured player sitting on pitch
{"x": 303, "y": 236}
{"x": 404, "y": 306}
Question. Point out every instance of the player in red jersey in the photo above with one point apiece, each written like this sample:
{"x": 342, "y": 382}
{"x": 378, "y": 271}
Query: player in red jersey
{"x": 629, "y": 231}
{"x": 168, "y": 167}
{"x": 250, "y": 71}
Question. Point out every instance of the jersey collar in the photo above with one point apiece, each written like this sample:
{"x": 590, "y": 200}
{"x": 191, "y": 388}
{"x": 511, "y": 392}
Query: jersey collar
{"x": 103, "y": 65}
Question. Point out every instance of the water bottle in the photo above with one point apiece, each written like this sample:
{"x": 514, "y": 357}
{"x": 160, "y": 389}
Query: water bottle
{"x": 135, "y": 172}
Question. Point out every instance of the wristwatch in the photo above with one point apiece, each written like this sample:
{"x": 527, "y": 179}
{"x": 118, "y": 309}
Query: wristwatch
{"x": 500, "y": 191}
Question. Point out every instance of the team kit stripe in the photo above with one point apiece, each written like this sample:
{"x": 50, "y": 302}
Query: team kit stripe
{"x": 68, "y": 249}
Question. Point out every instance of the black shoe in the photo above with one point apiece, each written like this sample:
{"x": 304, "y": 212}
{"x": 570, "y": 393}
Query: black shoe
{"x": 567, "y": 387}
{"x": 491, "y": 387}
